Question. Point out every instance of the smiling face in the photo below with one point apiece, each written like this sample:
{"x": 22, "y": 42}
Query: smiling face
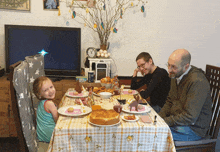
{"x": 174, "y": 68}
{"x": 175, "y": 64}
{"x": 144, "y": 67}
{"x": 47, "y": 90}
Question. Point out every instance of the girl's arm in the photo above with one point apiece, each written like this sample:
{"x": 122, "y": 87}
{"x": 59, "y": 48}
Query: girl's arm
{"x": 53, "y": 109}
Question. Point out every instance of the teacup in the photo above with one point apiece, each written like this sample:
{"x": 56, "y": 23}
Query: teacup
{"x": 118, "y": 108}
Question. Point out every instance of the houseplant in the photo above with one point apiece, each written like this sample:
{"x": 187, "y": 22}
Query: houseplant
{"x": 102, "y": 15}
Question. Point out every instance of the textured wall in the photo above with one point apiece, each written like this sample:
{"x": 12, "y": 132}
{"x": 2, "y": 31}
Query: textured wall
{"x": 165, "y": 26}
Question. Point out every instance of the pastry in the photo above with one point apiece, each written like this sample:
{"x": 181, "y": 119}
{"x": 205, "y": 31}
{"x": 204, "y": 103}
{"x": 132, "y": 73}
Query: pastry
{"x": 104, "y": 117}
{"x": 75, "y": 93}
{"x": 130, "y": 117}
{"x": 129, "y": 91}
{"x": 96, "y": 107}
{"x": 71, "y": 109}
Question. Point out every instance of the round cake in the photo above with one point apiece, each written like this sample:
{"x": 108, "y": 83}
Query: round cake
{"x": 104, "y": 117}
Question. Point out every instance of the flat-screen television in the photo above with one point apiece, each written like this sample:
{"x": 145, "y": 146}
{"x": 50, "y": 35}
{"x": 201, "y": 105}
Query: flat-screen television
{"x": 61, "y": 44}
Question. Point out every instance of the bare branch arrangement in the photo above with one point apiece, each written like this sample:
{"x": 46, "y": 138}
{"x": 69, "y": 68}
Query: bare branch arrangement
{"x": 102, "y": 15}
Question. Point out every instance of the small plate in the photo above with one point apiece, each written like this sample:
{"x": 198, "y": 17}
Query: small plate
{"x": 63, "y": 111}
{"x": 145, "y": 109}
{"x": 136, "y": 119}
{"x": 104, "y": 125}
{"x": 125, "y": 91}
{"x": 80, "y": 95}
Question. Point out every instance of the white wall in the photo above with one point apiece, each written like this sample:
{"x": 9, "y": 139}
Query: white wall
{"x": 165, "y": 26}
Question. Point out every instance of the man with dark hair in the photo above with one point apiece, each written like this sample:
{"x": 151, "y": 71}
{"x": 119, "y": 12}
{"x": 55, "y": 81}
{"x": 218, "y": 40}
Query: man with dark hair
{"x": 156, "y": 79}
{"x": 188, "y": 107}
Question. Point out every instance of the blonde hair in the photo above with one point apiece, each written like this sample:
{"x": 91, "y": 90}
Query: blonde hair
{"x": 37, "y": 85}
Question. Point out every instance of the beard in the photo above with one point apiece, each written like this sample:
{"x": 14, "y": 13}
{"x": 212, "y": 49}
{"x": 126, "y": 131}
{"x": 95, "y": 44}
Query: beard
{"x": 176, "y": 75}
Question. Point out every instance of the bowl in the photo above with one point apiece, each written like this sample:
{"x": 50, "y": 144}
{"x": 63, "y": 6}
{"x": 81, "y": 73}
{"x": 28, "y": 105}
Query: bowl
{"x": 105, "y": 95}
{"x": 106, "y": 85}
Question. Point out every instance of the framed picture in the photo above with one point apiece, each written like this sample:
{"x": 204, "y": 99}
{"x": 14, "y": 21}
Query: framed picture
{"x": 22, "y": 5}
{"x": 84, "y": 2}
{"x": 51, "y": 4}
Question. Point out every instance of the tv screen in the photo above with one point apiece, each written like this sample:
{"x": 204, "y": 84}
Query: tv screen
{"x": 62, "y": 46}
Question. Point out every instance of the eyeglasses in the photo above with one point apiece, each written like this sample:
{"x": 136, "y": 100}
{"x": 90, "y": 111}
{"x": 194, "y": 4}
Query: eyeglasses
{"x": 174, "y": 67}
{"x": 142, "y": 65}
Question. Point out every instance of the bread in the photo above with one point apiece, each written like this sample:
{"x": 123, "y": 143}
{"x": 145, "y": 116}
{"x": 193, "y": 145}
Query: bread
{"x": 71, "y": 109}
{"x": 104, "y": 117}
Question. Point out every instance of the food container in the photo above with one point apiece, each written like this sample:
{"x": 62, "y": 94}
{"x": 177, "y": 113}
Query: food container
{"x": 81, "y": 78}
{"x": 105, "y": 95}
{"x": 91, "y": 76}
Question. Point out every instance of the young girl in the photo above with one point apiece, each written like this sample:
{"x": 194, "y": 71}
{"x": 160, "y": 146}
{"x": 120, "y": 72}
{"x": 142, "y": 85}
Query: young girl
{"x": 47, "y": 114}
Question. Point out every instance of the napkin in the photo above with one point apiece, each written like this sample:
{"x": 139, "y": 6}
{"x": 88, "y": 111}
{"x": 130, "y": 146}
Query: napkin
{"x": 146, "y": 119}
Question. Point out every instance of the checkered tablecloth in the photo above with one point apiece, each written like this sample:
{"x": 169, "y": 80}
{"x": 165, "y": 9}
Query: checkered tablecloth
{"x": 76, "y": 134}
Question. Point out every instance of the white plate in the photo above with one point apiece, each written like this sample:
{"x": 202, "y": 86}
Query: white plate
{"x": 136, "y": 119}
{"x": 80, "y": 95}
{"x": 63, "y": 111}
{"x": 145, "y": 110}
{"x": 99, "y": 95}
{"x": 125, "y": 91}
{"x": 105, "y": 125}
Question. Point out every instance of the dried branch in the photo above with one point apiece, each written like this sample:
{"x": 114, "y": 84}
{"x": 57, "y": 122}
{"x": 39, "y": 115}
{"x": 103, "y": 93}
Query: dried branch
{"x": 106, "y": 12}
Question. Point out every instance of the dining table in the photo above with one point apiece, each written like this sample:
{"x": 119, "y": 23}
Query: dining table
{"x": 78, "y": 134}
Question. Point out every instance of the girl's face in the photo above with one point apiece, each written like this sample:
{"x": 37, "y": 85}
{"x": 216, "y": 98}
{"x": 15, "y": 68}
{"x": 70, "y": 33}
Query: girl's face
{"x": 47, "y": 90}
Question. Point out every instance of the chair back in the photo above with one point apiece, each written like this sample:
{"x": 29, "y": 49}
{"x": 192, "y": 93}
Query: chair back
{"x": 213, "y": 76}
{"x": 22, "y": 76}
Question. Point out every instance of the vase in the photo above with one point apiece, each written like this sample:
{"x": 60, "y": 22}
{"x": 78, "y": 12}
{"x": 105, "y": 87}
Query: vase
{"x": 103, "y": 47}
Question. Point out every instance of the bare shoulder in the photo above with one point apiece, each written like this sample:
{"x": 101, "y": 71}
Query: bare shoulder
{"x": 50, "y": 102}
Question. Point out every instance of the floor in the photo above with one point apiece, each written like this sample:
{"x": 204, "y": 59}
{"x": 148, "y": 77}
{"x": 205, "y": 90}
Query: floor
{"x": 8, "y": 145}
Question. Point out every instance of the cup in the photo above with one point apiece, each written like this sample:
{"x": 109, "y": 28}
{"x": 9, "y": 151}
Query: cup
{"x": 118, "y": 108}
{"x": 91, "y": 76}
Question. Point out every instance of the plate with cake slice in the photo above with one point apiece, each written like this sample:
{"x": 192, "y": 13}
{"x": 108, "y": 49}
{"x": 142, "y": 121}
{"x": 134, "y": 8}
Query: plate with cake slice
{"x": 75, "y": 94}
{"x": 129, "y": 91}
{"x": 129, "y": 118}
{"x": 74, "y": 110}
{"x": 141, "y": 109}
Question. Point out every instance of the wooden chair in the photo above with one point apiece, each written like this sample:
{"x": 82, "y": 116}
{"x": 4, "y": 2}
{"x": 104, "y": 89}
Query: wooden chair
{"x": 207, "y": 144}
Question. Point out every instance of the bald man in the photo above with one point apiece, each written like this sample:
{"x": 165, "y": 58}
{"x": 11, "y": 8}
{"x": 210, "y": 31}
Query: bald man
{"x": 188, "y": 106}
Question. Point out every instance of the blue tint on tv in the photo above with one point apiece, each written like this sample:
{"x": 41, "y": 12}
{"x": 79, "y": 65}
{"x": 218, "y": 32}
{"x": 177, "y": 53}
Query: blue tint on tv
{"x": 63, "y": 47}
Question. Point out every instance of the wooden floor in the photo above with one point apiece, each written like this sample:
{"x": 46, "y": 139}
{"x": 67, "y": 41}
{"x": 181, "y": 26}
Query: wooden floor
{"x": 8, "y": 145}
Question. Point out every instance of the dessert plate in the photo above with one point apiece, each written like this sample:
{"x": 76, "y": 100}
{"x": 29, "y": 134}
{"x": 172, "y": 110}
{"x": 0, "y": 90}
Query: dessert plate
{"x": 142, "y": 109}
{"x": 104, "y": 125}
{"x": 125, "y": 91}
{"x": 80, "y": 95}
{"x": 77, "y": 111}
{"x": 136, "y": 119}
